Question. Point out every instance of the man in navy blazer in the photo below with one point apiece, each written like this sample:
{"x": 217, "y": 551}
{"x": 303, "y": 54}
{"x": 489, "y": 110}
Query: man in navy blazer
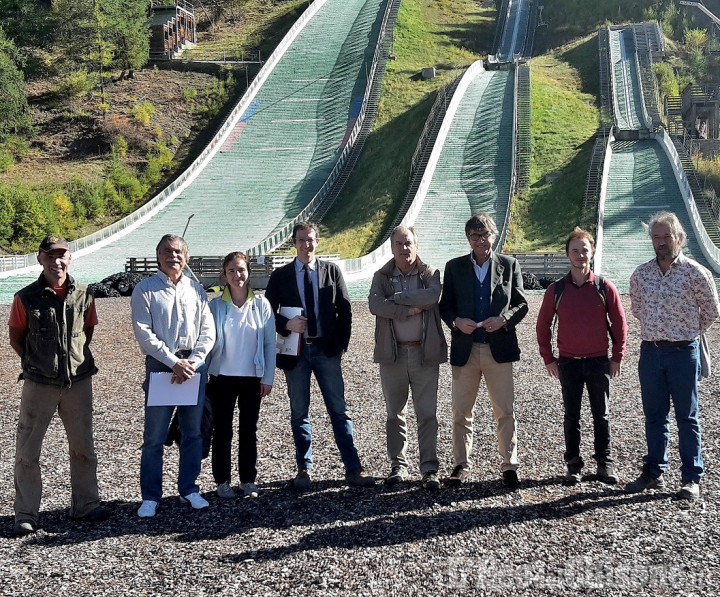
{"x": 317, "y": 287}
{"x": 482, "y": 302}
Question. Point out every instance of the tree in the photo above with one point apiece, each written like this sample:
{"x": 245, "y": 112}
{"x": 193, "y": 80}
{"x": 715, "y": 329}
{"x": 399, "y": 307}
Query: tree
{"x": 98, "y": 35}
{"x": 129, "y": 32}
{"x": 14, "y": 112}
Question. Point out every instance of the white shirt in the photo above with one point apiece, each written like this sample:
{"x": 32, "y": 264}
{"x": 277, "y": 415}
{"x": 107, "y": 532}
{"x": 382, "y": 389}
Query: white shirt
{"x": 241, "y": 342}
{"x": 170, "y": 317}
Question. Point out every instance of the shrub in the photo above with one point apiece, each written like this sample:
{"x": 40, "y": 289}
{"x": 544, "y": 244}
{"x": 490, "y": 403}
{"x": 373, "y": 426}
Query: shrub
{"x": 7, "y": 160}
{"x": 75, "y": 84}
{"x": 65, "y": 211}
{"x": 142, "y": 112}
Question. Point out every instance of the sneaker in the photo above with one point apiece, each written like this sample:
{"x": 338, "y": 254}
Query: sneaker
{"x": 225, "y": 492}
{"x": 398, "y": 474}
{"x": 645, "y": 481}
{"x": 357, "y": 479}
{"x": 147, "y": 509}
{"x": 24, "y": 527}
{"x": 573, "y": 476}
{"x": 606, "y": 473}
{"x": 690, "y": 490}
{"x": 458, "y": 476}
{"x": 249, "y": 489}
{"x": 301, "y": 482}
{"x": 195, "y": 500}
{"x": 510, "y": 479}
{"x": 430, "y": 481}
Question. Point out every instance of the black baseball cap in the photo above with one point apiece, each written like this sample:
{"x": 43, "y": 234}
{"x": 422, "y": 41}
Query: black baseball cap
{"x": 52, "y": 242}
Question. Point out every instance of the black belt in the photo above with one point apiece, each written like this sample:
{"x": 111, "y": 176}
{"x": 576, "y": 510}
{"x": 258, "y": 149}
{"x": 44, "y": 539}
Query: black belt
{"x": 314, "y": 340}
{"x": 410, "y": 343}
{"x": 668, "y": 343}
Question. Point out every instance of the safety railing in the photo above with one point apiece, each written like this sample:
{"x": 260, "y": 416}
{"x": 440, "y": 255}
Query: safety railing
{"x": 502, "y": 236}
{"x": 711, "y": 252}
{"x": 362, "y": 267}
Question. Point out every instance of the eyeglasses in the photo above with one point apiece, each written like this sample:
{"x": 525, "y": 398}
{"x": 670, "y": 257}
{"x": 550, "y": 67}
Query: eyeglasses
{"x": 477, "y": 237}
{"x": 306, "y": 241}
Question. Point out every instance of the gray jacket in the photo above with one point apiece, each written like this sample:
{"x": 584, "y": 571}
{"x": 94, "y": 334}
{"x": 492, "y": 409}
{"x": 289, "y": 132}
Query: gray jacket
{"x": 387, "y": 306}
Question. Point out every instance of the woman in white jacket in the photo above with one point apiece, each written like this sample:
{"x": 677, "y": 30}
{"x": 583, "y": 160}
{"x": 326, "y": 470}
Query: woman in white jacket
{"x": 242, "y": 369}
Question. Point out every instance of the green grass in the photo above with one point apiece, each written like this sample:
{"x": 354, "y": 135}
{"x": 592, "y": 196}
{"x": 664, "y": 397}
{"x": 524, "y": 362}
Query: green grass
{"x": 564, "y": 120}
{"x": 446, "y": 34}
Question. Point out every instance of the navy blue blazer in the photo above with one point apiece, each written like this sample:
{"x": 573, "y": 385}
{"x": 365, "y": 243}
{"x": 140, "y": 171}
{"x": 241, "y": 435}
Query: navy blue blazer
{"x": 334, "y": 308}
{"x": 507, "y": 300}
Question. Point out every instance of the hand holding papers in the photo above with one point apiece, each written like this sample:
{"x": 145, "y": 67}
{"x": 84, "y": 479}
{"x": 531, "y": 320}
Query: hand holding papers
{"x": 289, "y": 345}
{"x": 164, "y": 393}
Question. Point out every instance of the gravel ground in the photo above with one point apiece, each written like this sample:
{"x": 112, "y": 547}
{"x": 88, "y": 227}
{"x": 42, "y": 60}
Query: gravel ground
{"x": 545, "y": 539}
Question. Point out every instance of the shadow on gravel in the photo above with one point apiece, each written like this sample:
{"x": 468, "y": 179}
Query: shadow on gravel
{"x": 367, "y": 517}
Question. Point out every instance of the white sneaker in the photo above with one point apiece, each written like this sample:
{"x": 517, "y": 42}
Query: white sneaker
{"x": 249, "y": 489}
{"x": 195, "y": 500}
{"x": 147, "y": 509}
{"x": 225, "y": 491}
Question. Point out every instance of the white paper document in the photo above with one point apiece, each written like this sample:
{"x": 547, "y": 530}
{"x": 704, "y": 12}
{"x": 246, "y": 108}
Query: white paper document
{"x": 289, "y": 345}
{"x": 164, "y": 393}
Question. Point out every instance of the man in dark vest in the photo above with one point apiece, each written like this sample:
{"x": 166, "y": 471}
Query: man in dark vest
{"x": 51, "y": 325}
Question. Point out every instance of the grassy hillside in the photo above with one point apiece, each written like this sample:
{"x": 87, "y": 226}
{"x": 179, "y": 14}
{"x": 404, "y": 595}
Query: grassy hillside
{"x": 565, "y": 117}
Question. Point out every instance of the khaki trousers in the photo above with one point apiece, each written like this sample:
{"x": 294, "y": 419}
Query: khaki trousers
{"x": 408, "y": 373}
{"x": 37, "y": 407}
{"x": 499, "y": 381}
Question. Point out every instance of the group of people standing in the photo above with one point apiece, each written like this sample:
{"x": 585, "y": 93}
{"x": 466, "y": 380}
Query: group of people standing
{"x": 229, "y": 346}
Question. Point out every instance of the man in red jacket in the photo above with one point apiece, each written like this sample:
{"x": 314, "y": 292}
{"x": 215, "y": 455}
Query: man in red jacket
{"x": 588, "y": 309}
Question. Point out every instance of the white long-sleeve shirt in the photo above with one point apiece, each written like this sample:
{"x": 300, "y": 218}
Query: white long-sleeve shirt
{"x": 171, "y": 317}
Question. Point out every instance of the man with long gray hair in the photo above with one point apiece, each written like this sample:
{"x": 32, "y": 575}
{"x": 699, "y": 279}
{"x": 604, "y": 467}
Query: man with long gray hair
{"x": 675, "y": 300}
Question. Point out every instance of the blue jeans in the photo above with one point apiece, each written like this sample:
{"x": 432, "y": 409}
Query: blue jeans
{"x": 157, "y": 422}
{"x": 671, "y": 373}
{"x": 329, "y": 377}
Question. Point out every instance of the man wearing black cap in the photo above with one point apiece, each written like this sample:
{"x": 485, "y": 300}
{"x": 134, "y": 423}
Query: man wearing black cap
{"x": 51, "y": 325}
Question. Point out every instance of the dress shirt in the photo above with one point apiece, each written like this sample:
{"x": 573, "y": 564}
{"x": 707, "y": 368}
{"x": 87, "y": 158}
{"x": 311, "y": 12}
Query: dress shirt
{"x": 300, "y": 278}
{"x": 171, "y": 317}
{"x": 678, "y": 305}
{"x": 480, "y": 270}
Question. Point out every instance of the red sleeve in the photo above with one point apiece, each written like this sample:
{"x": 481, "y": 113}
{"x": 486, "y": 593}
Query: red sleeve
{"x": 18, "y": 317}
{"x": 91, "y": 318}
{"x": 543, "y": 327}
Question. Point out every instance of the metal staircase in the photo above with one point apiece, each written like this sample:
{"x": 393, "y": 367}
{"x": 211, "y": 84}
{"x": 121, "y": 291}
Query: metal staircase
{"x": 707, "y": 208}
{"x": 373, "y": 99}
{"x": 524, "y": 135}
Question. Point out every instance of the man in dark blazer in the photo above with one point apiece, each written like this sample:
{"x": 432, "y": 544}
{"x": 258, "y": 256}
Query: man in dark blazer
{"x": 482, "y": 302}
{"x": 318, "y": 288}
